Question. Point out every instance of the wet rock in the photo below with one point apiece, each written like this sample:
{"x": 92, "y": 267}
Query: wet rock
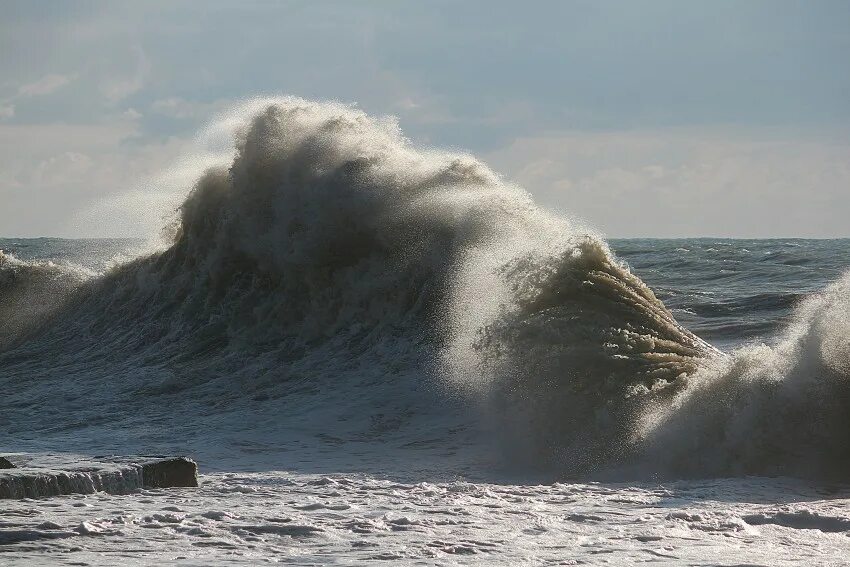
{"x": 5, "y": 464}
{"x": 33, "y": 483}
{"x": 167, "y": 473}
{"x": 47, "y": 475}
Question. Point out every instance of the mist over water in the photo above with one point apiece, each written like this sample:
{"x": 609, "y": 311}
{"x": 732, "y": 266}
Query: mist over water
{"x": 327, "y": 282}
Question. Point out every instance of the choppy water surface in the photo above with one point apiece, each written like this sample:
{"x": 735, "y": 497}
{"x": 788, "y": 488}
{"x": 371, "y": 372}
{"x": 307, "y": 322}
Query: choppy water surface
{"x": 731, "y": 291}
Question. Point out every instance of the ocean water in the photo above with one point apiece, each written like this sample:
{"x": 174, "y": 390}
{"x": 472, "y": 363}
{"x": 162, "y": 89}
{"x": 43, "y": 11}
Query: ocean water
{"x": 379, "y": 352}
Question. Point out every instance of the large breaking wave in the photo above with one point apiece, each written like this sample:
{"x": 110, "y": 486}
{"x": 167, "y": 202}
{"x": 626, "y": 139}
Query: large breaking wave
{"x": 329, "y": 263}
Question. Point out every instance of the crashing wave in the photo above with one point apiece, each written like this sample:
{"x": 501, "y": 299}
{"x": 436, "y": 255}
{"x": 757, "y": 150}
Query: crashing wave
{"x": 328, "y": 250}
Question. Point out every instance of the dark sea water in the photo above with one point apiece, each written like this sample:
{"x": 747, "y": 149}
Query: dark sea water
{"x": 732, "y": 291}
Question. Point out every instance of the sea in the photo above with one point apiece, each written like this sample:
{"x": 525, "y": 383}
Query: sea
{"x": 385, "y": 354}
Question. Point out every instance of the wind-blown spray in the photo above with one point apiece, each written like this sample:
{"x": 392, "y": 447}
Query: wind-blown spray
{"x": 327, "y": 256}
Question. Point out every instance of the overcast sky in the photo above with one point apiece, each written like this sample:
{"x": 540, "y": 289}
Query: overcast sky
{"x": 652, "y": 118}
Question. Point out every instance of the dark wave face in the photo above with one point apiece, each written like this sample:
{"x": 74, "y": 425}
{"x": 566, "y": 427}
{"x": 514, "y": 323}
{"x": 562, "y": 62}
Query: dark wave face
{"x": 328, "y": 277}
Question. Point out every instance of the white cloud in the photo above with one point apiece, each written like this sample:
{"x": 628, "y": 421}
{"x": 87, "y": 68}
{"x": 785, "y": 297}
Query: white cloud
{"x": 61, "y": 169}
{"x": 407, "y": 103}
{"x": 59, "y": 172}
{"x": 176, "y": 107}
{"x": 687, "y": 182}
{"x": 45, "y": 85}
{"x": 132, "y": 114}
{"x": 117, "y": 89}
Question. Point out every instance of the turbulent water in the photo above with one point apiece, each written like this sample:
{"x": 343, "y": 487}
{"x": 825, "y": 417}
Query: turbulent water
{"x": 330, "y": 299}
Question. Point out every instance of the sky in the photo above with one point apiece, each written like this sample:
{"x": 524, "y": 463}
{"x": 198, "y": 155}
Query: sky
{"x": 643, "y": 119}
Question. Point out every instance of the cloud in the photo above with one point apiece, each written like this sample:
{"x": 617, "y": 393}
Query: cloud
{"x": 59, "y": 172}
{"x": 687, "y": 182}
{"x": 117, "y": 89}
{"x": 132, "y": 114}
{"x": 45, "y": 85}
{"x": 495, "y": 87}
{"x": 180, "y": 108}
{"x": 64, "y": 168}
{"x": 174, "y": 107}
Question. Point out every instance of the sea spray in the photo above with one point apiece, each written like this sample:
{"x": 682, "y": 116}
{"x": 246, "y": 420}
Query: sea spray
{"x": 327, "y": 276}
{"x": 778, "y": 410}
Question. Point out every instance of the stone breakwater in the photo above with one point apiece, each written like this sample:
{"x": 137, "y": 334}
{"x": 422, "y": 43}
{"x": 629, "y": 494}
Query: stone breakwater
{"x": 54, "y": 475}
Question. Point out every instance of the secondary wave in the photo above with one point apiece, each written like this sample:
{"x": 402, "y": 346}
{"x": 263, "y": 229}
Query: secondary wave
{"x": 30, "y": 292}
{"x": 780, "y": 410}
